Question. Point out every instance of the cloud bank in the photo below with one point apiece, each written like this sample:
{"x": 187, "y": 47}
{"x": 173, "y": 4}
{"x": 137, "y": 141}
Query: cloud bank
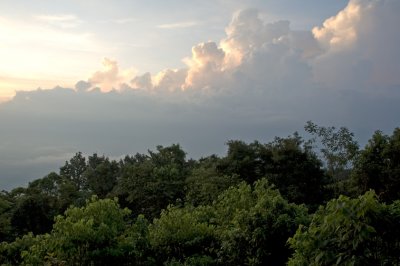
{"x": 261, "y": 80}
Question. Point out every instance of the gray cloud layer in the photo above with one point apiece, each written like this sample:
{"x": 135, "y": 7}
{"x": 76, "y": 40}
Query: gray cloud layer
{"x": 261, "y": 80}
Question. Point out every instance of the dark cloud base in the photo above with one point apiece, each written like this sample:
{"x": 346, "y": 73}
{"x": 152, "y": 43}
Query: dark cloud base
{"x": 41, "y": 129}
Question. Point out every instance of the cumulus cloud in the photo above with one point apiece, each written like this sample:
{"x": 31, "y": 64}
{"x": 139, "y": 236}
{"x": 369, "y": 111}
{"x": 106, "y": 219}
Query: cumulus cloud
{"x": 205, "y": 66}
{"x": 170, "y": 79}
{"x": 83, "y": 85}
{"x": 360, "y": 46}
{"x": 143, "y": 82}
{"x": 263, "y": 79}
{"x": 110, "y": 77}
{"x": 340, "y": 30}
{"x": 248, "y": 33}
{"x": 253, "y": 51}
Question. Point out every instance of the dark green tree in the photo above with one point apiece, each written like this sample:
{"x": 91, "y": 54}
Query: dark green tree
{"x": 378, "y": 166}
{"x": 339, "y": 148}
{"x": 101, "y": 175}
{"x": 245, "y": 160}
{"x": 205, "y": 183}
{"x": 339, "y": 151}
{"x": 150, "y": 182}
{"x": 288, "y": 163}
{"x": 74, "y": 170}
{"x": 33, "y": 213}
{"x": 295, "y": 171}
{"x": 59, "y": 189}
{"x": 35, "y": 207}
{"x": 6, "y": 209}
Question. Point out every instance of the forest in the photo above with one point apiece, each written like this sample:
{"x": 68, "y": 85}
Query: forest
{"x": 320, "y": 200}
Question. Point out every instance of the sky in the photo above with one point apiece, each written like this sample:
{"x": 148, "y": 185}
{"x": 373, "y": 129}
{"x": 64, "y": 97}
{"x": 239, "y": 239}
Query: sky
{"x": 120, "y": 77}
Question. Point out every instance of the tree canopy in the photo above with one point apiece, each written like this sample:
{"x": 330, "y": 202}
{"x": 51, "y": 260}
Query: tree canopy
{"x": 295, "y": 201}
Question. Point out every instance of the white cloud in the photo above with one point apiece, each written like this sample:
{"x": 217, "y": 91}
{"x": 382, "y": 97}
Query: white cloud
{"x": 340, "y": 30}
{"x": 124, "y": 20}
{"x": 111, "y": 77}
{"x": 205, "y": 66}
{"x": 355, "y": 48}
{"x": 170, "y": 79}
{"x": 360, "y": 46}
{"x": 178, "y": 25}
{"x": 248, "y": 33}
{"x": 62, "y": 21}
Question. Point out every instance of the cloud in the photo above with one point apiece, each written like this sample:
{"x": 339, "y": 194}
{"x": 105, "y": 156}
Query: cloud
{"x": 340, "y": 30}
{"x": 10, "y": 84}
{"x": 178, "y": 25}
{"x": 360, "y": 45}
{"x": 250, "y": 46}
{"x": 263, "y": 79}
{"x": 170, "y": 79}
{"x": 83, "y": 86}
{"x": 143, "y": 82}
{"x": 62, "y": 21}
{"x": 110, "y": 77}
{"x": 253, "y": 54}
{"x": 205, "y": 66}
{"x": 248, "y": 33}
{"x": 124, "y": 20}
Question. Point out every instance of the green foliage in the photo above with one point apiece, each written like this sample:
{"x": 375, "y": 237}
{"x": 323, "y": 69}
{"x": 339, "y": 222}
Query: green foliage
{"x": 34, "y": 208}
{"x": 296, "y": 171}
{"x": 48, "y": 185}
{"x": 74, "y": 169}
{"x": 244, "y": 160}
{"x": 287, "y": 162}
{"x": 204, "y": 184}
{"x": 192, "y": 261}
{"x": 253, "y": 225}
{"x": 10, "y": 253}
{"x": 339, "y": 151}
{"x": 34, "y": 213}
{"x": 149, "y": 183}
{"x": 6, "y": 208}
{"x": 101, "y": 175}
{"x": 348, "y": 231}
{"x": 338, "y": 146}
{"x": 180, "y": 234}
{"x": 89, "y": 235}
{"x": 240, "y": 209}
{"x": 135, "y": 244}
{"x": 245, "y": 226}
{"x": 378, "y": 166}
